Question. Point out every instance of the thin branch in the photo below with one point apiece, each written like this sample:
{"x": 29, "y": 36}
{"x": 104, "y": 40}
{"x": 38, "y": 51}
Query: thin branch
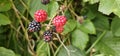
{"x": 63, "y": 44}
{"x": 99, "y": 38}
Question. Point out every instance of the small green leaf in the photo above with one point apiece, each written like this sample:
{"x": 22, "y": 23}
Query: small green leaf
{"x": 109, "y": 45}
{"x": 115, "y": 26}
{"x": 5, "y": 5}
{"x": 36, "y": 5}
{"x": 42, "y": 48}
{"x": 69, "y": 26}
{"x": 52, "y": 9}
{"x": 6, "y": 52}
{"x": 73, "y": 51}
{"x": 79, "y": 39}
{"x": 4, "y": 20}
{"x": 87, "y": 26}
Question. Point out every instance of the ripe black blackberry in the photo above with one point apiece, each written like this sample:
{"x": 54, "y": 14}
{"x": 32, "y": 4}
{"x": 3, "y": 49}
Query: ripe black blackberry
{"x": 34, "y": 26}
{"x": 45, "y": 1}
{"x": 47, "y": 35}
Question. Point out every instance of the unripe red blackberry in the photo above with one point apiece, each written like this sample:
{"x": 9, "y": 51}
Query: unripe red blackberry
{"x": 45, "y": 2}
{"x": 47, "y": 36}
{"x": 40, "y": 15}
{"x": 34, "y": 26}
{"x": 59, "y": 29}
{"x": 59, "y": 21}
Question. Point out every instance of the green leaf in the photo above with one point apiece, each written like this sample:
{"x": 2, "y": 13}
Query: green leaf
{"x": 109, "y": 45}
{"x": 101, "y": 22}
{"x": 109, "y": 6}
{"x": 73, "y": 51}
{"x": 69, "y": 26}
{"x": 91, "y": 14}
{"x": 36, "y": 5}
{"x": 5, "y": 5}
{"x": 6, "y": 52}
{"x": 52, "y": 9}
{"x": 79, "y": 39}
{"x": 42, "y": 48}
{"x": 115, "y": 26}
{"x": 4, "y": 20}
{"x": 87, "y": 26}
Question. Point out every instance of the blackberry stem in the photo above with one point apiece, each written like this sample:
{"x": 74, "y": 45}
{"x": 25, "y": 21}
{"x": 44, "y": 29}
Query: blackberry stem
{"x": 63, "y": 44}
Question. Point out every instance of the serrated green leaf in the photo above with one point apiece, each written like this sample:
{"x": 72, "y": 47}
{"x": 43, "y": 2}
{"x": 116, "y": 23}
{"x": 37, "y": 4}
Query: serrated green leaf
{"x": 52, "y": 9}
{"x": 73, "y": 51}
{"x": 36, "y": 5}
{"x": 4, "y": 20}
{"x": 109, "y": 7}
{"x": 42, "y": 48}
{"x": 79, "y": 39}
{"x": 101, "y": 22}
{"x": 5, "y": 5}
{"x": 6, "y": 52}
{"x": 109, "y": 45}
{"x": 87, "y": 27}
{"x": 115, "y": 26}
{"x": 69, "y": 26}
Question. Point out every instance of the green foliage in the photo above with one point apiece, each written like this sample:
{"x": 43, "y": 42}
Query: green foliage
{"x": 69, "y": 26}
{"x": 73, "y": 51}
{"x": 109, "y": 45}
{"x": 115, "y": 26}
{"x": 42, "y": 49}
{"x": 96, "y": 35}
{"x": 5, "y": 5}
{"x": 6, "y": 52}
{"x": 101, "y": 22}
{"x": 109, "y": 7}
{"x": 4, "y": 20}
{"x": 79, "y": 39}
{"x": 87, "y": 27}
{"x": 52, "y": 9}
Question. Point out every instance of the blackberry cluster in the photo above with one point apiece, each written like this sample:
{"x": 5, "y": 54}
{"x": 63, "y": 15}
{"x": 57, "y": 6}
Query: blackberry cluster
{"x": 47, "y": 35}
{"x": 34, "y": 26}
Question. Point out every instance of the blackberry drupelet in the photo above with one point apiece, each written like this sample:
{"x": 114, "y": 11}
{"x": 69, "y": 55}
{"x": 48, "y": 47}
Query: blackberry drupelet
{"x": 34, "y": 26}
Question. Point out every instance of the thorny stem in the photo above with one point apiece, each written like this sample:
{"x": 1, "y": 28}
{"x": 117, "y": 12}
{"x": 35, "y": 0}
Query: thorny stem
{"x": 63, "y": 44}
